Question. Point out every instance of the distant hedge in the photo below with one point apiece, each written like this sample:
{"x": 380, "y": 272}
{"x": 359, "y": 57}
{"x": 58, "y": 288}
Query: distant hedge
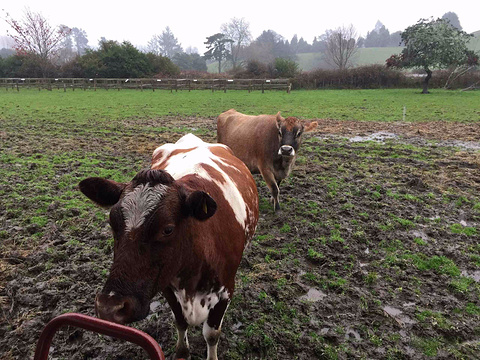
{"x": 375, "y": 77}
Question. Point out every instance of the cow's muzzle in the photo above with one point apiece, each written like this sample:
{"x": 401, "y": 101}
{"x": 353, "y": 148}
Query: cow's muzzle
{"x": 286, "y": 150}
{"x": 118, "y": 308}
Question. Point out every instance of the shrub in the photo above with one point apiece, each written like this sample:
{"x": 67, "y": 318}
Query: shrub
{"x": 285, "y": 68}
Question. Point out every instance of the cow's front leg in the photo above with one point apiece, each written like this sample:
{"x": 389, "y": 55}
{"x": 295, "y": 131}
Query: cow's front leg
{"x": 182, "y": 349}
{"x": 213, "y": 326}
{"x": 272, "y": 186}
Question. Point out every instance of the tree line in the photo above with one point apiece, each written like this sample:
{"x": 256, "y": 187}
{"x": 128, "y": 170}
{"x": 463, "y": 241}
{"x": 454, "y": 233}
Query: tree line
{"x": 64, "y": 52}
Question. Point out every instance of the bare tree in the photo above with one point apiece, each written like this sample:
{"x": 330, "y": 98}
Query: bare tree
{"x": 341, "y": 46}
{"x": 237, "y": 30}
{"x": 34, "y": 35}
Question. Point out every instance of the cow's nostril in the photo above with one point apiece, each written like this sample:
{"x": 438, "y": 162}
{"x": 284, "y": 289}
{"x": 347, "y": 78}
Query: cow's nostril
{"x": 122, "y": 313}
{"x": 113, "y": 308}
{"x": 286, "y": 149}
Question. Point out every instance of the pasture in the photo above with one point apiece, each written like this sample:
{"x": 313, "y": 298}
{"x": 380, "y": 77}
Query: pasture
{"x": 375, "y": 253}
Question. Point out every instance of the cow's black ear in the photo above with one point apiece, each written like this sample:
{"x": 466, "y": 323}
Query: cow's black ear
{"x": 102, "y": 191}
{"x": 200, "y": 205}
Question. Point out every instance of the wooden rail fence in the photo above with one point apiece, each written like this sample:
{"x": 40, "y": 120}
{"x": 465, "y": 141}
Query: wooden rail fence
{"x": 146, "y": 84}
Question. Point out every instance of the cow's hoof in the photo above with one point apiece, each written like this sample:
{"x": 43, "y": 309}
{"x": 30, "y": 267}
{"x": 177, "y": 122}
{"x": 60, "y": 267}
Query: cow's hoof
{"x": 177, "y": 356}
{"x": 183, "y": 353}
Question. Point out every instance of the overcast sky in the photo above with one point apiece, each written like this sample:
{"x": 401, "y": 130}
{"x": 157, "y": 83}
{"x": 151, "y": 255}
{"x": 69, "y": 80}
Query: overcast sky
{"x": 192, "y": 21}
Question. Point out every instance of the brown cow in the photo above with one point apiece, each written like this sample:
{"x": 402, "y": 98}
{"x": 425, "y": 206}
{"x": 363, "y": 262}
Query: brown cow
{"x": 267, "y": 144}
{"x": 179, "y": 228}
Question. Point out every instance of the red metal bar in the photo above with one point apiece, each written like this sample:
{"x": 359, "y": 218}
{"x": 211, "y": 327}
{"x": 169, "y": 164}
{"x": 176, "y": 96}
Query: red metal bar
{"x": 100, "y": 326}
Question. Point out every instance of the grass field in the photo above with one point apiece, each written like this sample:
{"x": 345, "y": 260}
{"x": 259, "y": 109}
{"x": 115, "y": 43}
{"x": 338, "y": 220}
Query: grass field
{"x": 363, "y": 105}
{"x": 375, "y": 254}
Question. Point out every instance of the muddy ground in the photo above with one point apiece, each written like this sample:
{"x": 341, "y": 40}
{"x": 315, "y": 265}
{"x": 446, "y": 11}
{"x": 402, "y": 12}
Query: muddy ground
{"x": 375, "y": 253}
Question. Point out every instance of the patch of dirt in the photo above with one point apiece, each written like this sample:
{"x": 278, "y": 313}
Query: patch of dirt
{"x": 373, "y": 255}
{"x": 438, "y": 130}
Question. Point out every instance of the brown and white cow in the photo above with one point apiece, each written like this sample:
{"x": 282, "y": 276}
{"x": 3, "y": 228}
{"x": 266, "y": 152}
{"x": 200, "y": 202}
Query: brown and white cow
{"x": 267, "y": 144}
{"x": 179, "y": 228}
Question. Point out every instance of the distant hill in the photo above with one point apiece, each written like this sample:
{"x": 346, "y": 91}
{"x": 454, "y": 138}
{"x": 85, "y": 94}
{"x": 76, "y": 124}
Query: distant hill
{"x": 364, "y": 56}
{"x": 475, "y": 42}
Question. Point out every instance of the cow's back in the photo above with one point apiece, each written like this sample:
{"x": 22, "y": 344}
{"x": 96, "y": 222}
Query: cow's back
{"x": 214, "y": 169}
{"x": 251, "y": 138}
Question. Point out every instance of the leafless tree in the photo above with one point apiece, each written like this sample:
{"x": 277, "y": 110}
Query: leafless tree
{"x": 35, "y": 36}
{"x": 239, "y": 31}
{"x": 341, "y": 46}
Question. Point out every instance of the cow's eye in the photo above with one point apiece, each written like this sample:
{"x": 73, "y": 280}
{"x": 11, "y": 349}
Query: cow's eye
{"x": 168, "y": 230}
{"x": 298, "y": 134}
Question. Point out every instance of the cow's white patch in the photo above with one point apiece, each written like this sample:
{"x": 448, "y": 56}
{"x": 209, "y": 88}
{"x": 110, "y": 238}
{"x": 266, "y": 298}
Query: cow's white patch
{"x": 139, "y": 203}
{"x": 191, "y": 163}
{"x": 291, "y": 154}
{"x": 111, "y": 293}
{"x": 195, "y": 309}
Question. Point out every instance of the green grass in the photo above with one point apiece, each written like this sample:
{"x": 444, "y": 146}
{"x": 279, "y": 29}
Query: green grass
{"x": 326, "y": 236}
{"x": 87, "y": 109}
{"x": 459, "y": 229}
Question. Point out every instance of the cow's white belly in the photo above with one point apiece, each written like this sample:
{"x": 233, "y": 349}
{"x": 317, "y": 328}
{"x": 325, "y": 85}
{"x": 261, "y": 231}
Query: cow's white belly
{"x": 195, "y": 309}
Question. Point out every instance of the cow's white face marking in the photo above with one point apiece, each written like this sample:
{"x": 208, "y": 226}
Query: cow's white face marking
{"x": 111, "y": 293}
{"x": 139, "y": 203}
{"x": 191, "y": 163}
{"x": 291, "y": 154}
{"x": 196, "y": 309}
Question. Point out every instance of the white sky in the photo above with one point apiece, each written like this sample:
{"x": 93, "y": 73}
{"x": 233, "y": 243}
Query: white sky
{"x": 192, "y": 21}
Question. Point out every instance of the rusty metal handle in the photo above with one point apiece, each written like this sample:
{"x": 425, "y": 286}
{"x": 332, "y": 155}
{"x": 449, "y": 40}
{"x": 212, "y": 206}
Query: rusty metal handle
{"x": 100, "y": 326}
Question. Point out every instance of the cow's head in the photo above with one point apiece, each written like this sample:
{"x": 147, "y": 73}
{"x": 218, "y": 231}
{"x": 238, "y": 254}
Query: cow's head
{"x": 149, "y": 217}
{"x": 290, "y": 131}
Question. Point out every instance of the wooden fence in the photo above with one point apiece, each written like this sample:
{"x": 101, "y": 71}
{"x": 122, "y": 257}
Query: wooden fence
{"x": 146, "y": 84}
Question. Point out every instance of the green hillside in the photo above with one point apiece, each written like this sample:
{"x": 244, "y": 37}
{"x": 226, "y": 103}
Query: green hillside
{"x": 475, "y": 42}
{"x": 365, "y": 56}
